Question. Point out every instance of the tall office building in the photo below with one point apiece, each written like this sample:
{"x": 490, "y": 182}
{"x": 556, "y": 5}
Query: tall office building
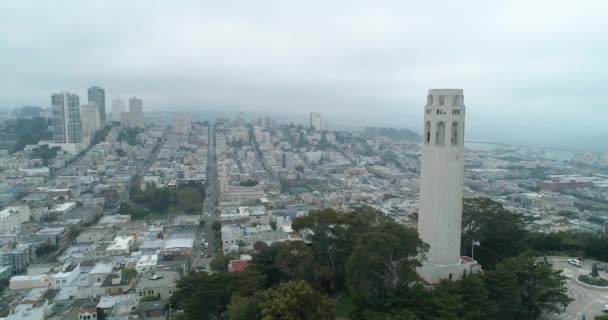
{"x": 136, "y": 105}
{"x": 182, "y": 123}
{"x": 118, "y": 107}
{"x": 135, "y": 117}
{"x": 97, "y": 96}
{"x": 67, "y": 125}
{"x": 289, "y": 161}
{"x": 316, "y": 121}
{"x": 91, "y": 121}
{"x": 441, "y": 186}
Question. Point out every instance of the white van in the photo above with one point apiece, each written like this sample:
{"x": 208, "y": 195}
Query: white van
{"x": 575, "y": 262}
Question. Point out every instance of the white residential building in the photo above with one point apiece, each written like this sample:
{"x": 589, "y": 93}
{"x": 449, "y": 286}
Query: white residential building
{"x": 65, "y": 278}
{"x": 12, "y": 217}
{"x": 120, "y": 246}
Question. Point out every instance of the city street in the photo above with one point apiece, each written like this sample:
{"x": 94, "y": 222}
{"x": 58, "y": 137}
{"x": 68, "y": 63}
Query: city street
{"x": 211, "y": 193}
{"x": 587, "y": 303}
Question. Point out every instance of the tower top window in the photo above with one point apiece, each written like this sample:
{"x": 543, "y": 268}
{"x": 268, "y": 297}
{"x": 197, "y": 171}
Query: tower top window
{"x": 442, "y": 100}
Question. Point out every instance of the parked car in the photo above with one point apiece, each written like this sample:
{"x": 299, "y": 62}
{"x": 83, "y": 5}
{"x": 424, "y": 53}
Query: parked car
{"x": 605, "y": 308}
{"x": 575, "y": 262}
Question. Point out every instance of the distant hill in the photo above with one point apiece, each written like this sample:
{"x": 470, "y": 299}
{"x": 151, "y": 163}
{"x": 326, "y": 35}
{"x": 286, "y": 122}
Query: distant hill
{"x": 398, "y": 134}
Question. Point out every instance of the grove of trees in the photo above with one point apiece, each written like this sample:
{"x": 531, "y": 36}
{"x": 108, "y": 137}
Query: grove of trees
{"x": 187, "y": 198}
{"x": 370, "y": 260}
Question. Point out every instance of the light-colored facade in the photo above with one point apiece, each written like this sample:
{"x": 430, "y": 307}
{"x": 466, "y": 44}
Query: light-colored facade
{"x": 136, "y": 105}
{"x": 65, "y": 277}
{"x": 289, "y": 161}
{"x": 118, "y": 107}
{"x": 441, "y": 185}
{"x": 316, "y": 121}
{"x": 182, "y": 123}
{"x": 134, "y": 118}
{"x": 97, "y": 97}
{"x": 160, "y": 284}
{"x": 131, "y": 120}
{"x": 120, "y": 246}
{"x": 91, "y": 121}
{"x": 12, "y": 217}
{"x": 67, "y": 124}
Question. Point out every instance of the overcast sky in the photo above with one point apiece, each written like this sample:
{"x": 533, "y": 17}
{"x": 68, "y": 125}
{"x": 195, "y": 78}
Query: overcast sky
{"x": 532, "y": 71}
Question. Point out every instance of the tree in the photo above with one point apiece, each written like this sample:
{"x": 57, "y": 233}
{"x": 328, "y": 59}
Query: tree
{"x": 475, "y": 296}
{"x": 383, "y": 260}
{"x": 129, "y": 273}
{"x": 216, "y": 226}
{"x": 100, "y": 135}
{"x": 206, "y": 296}
{"x": 248, "y": 183}
{"x": 45, "y": 249}
{"x": 45, "y": 153}
{"x": 541, "y": 288}
{"x": 503, "y": 288}
{"x": 332, "y": 236}
{"x": 189, "y": 199}
{"x": 402, "y": 314}
{"x": 243, "y": 308}
{"x": 220, "y": 263}
{"x": 295, "y": 300}
{"x": 149, "y": 298}
{"x": 286, "y": 261}
{"x": 594, "y": 272}
{"x": 28, "y": 131}
{"x": 500, "y": 231}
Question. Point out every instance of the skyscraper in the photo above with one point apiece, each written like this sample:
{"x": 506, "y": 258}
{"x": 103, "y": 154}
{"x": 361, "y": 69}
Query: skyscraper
{"x": 97, "y": 96}
{"x": 182, "y": 123}
{"x": 91, "y": 121}
{"x": 136, "y": 105}
{"x": 118, "y": 107}
{"x": 441, "y": 185}
{"x": 316, "y": 121}
{"x": 135, "y": 116}
{"x": 67, "y": 125}
{"x": 289, "y": 161}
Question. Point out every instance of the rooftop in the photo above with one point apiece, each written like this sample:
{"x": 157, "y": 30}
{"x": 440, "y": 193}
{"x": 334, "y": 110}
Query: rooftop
{"x": 101, "y": 268}
{"x": 162, "y": 278}
{"x": 62, "y": 207}
{"x": 178, "y": 243}
{"x": 121, "y": 243}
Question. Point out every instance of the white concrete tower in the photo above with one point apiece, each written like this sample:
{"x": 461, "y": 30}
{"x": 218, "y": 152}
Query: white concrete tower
{"x": 441, "y": 185}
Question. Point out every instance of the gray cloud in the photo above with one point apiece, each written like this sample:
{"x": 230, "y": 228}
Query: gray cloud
{"x": 538, "y": 64}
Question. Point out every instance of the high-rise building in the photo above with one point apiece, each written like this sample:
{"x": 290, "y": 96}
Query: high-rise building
{"x": 118, "y": 107}
{"x": 97, "y": 96}
{"x": 91, "y": 122}
{"x": 182, "y": 123}
{"x": 289, "y": 161}
{"x": 441, "y": 186}
{"x": 316, "y": 121}
{"x": 135, "y": 116}
{"x": 67, "y": 125}
{"x": 136, "y": 105}
{"x": 268, "y": 123}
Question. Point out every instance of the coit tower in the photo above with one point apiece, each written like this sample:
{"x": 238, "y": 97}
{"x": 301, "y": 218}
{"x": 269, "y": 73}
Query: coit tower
{"x": 441, "y": 184}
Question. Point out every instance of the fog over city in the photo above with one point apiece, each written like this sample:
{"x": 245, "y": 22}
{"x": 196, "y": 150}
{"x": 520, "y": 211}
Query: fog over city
{"x": 533, "y": 72}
